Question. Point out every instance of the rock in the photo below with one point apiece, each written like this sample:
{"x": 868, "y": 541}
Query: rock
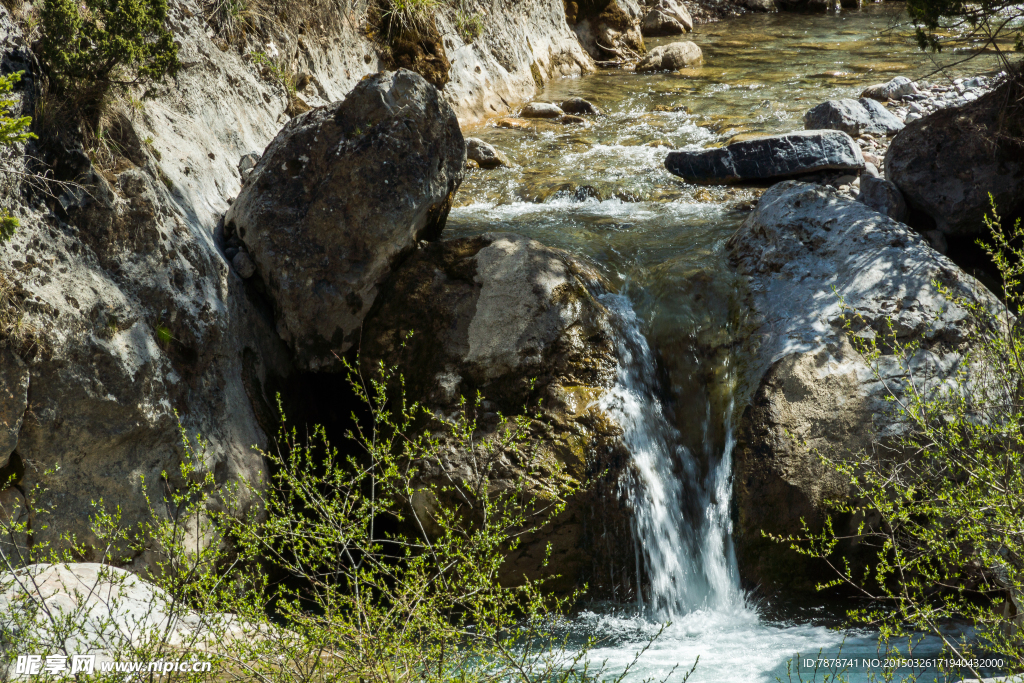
{"x": 814, "y": 391}
{"x": 512, "y": 124}
{"x": 248, "y": 162}
{"x": 765, "y": 158}
{"x": 541, "y": 110}
{"x": 340, "y": 197}
{"x": 947, "y": 164}
{"x": 243, "y": 265}
{"x": 484, "y": 154}
{"x": 579, "y": 106}
{"x": 894, "y": 89}
{"x": 608, "y": 28}
{"x": 854, "y": 117}
{"x": 760, "y": 5}
{"x": 883, "y": 196}
{"x": 912, "y": 117}
{"x": 108, "y": 612}
{"x": 14, "y": 378}
{"x": 667, "y": 18}
{"x": 569, "y": 118}
{"x": 489, "y": 314}
{"x": 869, "y": 168}
{"x": 671, "y": 57}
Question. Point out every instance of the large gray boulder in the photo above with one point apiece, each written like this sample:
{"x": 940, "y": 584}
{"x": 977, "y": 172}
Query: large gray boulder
{"x": 339, "y": 198}
{"x": 854, "y": 117}
{"x": 671, "y": 57}
{"x": 768, "y": 158}
{"x": 803, "y": 250}
{"x": 525, "y": 325}
{"x": 667, "y": 18}
{"x": 948, "y": 162}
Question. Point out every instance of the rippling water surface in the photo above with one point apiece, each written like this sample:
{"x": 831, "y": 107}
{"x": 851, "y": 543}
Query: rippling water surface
{"x": 600, "y": 191}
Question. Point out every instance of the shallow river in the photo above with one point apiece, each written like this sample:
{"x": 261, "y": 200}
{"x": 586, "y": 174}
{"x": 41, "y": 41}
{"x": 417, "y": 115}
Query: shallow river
{"x": 600, "y": 191}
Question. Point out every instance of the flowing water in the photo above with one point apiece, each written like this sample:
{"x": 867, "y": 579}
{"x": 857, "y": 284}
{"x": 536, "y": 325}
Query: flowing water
{"x": 600, "y": 191}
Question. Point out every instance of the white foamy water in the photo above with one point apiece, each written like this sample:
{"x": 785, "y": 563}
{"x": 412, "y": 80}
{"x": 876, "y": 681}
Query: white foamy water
{"x": 682, "y": 531}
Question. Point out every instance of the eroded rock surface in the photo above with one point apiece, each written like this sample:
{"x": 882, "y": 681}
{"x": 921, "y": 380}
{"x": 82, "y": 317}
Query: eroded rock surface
{"x": 607, "y": 29}
{"x": 770, "y": 157}
{"x": 520, "y": 323}
{"x": 667, "y": 18}
{"x": 340, "y": 196}
{"x": 948, "y": 162}
{"x": 802, "y": 250}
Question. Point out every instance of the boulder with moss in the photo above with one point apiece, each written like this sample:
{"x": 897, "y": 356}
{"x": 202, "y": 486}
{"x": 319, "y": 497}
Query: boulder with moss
{"x": 523, "y": 325}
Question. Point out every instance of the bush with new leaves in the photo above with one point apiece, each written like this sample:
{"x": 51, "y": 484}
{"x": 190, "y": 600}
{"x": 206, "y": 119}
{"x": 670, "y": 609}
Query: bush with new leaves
{"x": 93, "y": 45}
{"x": 13, "y": 129}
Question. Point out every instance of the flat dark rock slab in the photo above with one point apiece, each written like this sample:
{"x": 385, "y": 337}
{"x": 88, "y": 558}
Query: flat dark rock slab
{"x": 774, "y": 157}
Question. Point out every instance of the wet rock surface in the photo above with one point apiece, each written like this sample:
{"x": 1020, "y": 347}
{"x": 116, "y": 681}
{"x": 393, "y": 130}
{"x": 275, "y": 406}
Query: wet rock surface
{"x": 802, "y": 249}
{"x": 339, "y": 198}
{"x": 485, "y": 155}
{"x": 767, "y": 158}
{"x": 520, "y": 323}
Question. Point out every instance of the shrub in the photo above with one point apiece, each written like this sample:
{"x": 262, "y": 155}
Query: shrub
{"x": 93, "y": 45}
{"x": 339, "y": 567}
{"x": 13, "y": 129}
{"x": 943, "y": 506}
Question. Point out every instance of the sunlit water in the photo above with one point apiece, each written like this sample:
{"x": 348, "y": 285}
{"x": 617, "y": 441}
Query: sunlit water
{"x": 601, "y": 192}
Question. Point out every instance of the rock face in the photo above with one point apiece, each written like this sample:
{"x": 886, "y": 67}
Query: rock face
{"x": 340, "y": 196}
{"x": 607, "y": 29}
{"x": 947, "y": 163}
{"x": 667, "y": 18}
{"x": 484, "y": 154}
{"x": 491, "y": 314}
{"x": 775, "y": 156}
{"x": 853, "y": 117}
{"x": 883, "y": 196}
{"x": 671, "y": 57}
{"x": 813, "y": 389}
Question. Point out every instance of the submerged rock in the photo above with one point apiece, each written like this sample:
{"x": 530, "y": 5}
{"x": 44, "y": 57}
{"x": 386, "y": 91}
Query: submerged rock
{"x": 522, "y": 324}
{"x": 883, "y": 196}
{"x": 671, "y": 57}
{"x": 340, "y": 197}
{"x": 541, "y": 110}
{"x": 767, "y": 158}
{"x": 667, "y": 18}
{"x": 484, "y": 154}
{"x": 948, "y": 162}
{"x": 803, "y": 249}
{"x": 854, "y": 117}
{"x": 578, "y": 105}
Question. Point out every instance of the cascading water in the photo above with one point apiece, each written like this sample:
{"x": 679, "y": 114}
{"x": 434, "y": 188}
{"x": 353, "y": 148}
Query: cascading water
{"x": 688, "y": 562}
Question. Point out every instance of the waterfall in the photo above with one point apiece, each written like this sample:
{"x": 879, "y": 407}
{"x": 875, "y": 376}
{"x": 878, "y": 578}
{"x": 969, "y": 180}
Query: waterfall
{"x": 688, "y": 559}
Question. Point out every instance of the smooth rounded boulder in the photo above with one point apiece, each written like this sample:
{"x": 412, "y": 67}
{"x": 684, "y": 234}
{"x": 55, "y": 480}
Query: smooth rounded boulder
{"x": 486, "y": 155}
{"x": 541, "y": 110}
{"x": 339, "y": 198}
{"x": 671, "y": 57}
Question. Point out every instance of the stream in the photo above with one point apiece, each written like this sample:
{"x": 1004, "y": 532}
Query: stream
{"x": 600, "y": 191}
